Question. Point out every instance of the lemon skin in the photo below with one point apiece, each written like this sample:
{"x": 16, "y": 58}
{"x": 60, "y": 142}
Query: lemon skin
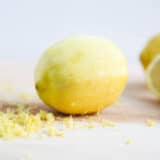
{"x": 151, "y": 51}
{"x": 153, "y": 76}
{"x": 81, "y": 75}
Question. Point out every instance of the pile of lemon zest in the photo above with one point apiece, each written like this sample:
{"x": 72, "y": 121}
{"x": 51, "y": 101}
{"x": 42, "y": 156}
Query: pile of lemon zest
{"x": 19, "y": 122}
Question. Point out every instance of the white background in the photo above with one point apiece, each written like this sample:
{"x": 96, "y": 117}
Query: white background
{"x": 28, "y": 27}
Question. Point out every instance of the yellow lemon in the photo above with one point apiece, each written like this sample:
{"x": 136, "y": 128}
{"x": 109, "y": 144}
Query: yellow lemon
{"x": 151, "y": 50}
{"x": 153, "y": 76}
{"x": 81, "y": 75}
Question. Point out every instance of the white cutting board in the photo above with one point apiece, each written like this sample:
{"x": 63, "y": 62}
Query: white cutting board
{"x": 130, "y": 113}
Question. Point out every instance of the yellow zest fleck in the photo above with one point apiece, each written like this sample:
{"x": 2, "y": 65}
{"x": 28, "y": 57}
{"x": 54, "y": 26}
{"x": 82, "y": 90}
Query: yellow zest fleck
{"x": 107, "y": 123}
{"x": 68, "y": 122}
{"x": 129, "y": 141}
{"x": 43, "y": 114}
{"x": 50, "y": 118}
{"x": 91, "y": 125}
{"x": 52, "y": 131}
{"x": 150, "y": 123}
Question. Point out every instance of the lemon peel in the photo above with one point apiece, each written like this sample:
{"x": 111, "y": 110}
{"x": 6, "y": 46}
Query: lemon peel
{"x": 151, "y": 50}
{"x": 153, "y": 76}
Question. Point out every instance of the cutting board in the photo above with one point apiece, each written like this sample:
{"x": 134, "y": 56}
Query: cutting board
{"x": 130, "y": 112}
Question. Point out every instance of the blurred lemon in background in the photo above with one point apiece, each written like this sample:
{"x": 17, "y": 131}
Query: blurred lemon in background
{"x": 81, "y": 75}
{"x": 151, "y": 50}
{"x": 150, "y": 59}
{"x": 153, "y": 76}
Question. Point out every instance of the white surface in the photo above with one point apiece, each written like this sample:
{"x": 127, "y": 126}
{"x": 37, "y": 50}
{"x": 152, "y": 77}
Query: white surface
{"x": 99, "y": 143}
{"x": 28, "y": 27}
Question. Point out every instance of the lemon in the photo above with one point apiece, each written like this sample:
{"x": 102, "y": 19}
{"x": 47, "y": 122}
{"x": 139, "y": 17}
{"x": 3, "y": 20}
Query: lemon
{"x": 81, "y": 75}
{"x": 151, "y": 50}
{"x": 153, "y": 76}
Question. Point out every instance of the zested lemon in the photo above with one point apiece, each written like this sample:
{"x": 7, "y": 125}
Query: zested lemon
{"x": 81, "y": 75}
